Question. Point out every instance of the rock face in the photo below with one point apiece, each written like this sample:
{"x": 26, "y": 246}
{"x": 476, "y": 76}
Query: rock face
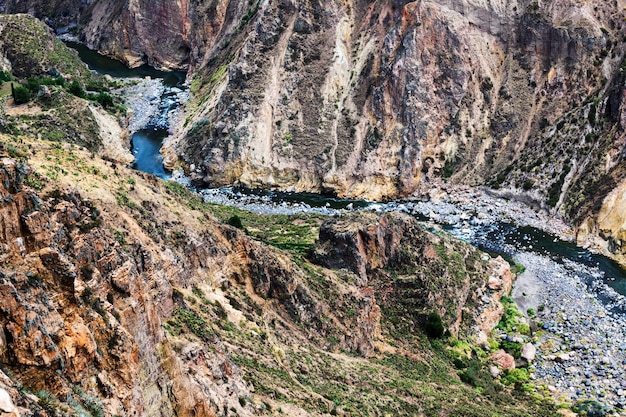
{"x": 606, "y": 230}
{"x": 409, "y": 271}
{"x": 376, "y": 99}
{"x": 88, "y": 312}
{"x": 372, "y": 100}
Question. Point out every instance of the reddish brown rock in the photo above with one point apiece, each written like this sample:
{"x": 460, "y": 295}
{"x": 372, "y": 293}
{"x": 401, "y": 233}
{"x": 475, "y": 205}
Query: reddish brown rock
{"x": 503, "y": 360}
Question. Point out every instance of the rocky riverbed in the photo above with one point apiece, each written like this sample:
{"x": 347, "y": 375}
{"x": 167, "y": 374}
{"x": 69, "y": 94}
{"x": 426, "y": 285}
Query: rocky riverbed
{"x": 463, "y": 208}
{"x": 581, "y": 335}
{"x": 151, "y": 102}
{"x": 581, "y": 340}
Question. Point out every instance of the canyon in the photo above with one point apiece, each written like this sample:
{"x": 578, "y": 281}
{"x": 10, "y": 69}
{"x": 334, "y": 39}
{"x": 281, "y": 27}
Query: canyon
{"x": 126, "y": 295}
{"x": 385, "y": 99}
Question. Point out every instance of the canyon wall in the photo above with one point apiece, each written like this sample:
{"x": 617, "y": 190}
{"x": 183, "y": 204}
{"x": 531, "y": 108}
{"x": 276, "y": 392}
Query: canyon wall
{"x": 377, "y": 99}
{"x": 381, "y": 99}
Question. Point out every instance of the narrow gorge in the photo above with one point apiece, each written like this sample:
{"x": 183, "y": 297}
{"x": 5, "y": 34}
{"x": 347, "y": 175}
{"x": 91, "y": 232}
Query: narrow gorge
{"x": 343, "y": 158}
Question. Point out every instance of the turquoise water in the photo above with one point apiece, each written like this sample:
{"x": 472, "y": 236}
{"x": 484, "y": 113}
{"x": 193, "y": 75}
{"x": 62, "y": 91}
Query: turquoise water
{"x": 146, "y": 142}
{"x": 500, "y": 238}
{"x": 104, "y": 65}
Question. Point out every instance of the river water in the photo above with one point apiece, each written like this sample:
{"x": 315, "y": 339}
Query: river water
{"x": 164, "y": 90}
{"x": 578, "y": 296}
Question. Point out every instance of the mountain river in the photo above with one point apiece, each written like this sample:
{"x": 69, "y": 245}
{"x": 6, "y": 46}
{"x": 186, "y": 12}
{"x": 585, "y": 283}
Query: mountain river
{"x": 575, "y": 296}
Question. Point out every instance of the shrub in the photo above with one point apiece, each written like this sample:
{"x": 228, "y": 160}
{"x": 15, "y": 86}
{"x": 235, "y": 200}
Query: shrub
{"x": 33, "y": 85}
{"x": 590, "y": 408}
{"x": 98, "y": 86}
{"x": 105, "y": 99}
{"x": 77, "y": 89}
{"x": 528, "y": 184}
{"x": 486, "y": 85}
{"x": 235, "y": 221}
{"x": 20, "y": 94}
{"x": 477, "y": 376}
{"x": 516, "y": 376}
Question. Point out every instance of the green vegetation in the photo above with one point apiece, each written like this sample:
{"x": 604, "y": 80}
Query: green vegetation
{"x": 61, "y": 120}
{"x": 47, "y": 401}
{"x": 217, "y": 75}
{"x": 287, "y": 138}
{"x": 249, "y": 15}
{"x": 183, "y": 320}
{"x": 518, "y": 268}
{"x": 104, "y": 99}
{"x": 5, "y": 76}
{"x": 20, "y": 94}
{"x": 517, "y": 376}
{"x": 77, "y": 89}
{"x": 235, "y": 221}
{"x": 590, "y": 408}
{"x": 294, "y": 233}
{"x": 476, "y": 375}
{"x": 32, "y": 49}
{"x": 555, "y": 190}
{"x": 510, "y": 322}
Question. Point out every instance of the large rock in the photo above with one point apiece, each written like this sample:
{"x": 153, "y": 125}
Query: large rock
{"x": 499, "y": 283}
{"x": 503, "y": 360}
{"x": 528, "y": 352}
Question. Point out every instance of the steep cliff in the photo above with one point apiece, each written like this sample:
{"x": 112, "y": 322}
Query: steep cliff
{"x": 372, "y": 100}
{"x": 383, "y": 99}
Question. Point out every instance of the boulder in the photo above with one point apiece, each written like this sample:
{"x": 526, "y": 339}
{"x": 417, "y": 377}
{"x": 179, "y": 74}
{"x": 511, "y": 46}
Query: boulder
{"x": 494, "y": 371}
{"x": 528, "y": 352}
{"x": 503, "y": 360}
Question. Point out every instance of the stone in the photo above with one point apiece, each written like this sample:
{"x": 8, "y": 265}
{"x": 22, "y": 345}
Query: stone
{"x": 44, "y": 92}
{"x": 6, "y": 404}
{"x": 562, "y": 357}
{"x": 494, "y": 371}
{"x": 528, "y": 352}
{"x": 503, "y": 360}
{"x": 494, "y": 283}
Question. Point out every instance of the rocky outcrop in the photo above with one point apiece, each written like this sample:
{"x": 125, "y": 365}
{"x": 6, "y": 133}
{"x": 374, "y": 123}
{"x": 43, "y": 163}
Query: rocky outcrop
{"x": 29, "y": 49}
{"x": 499, "y": 283}
{"x": 605, "y": 231}
{"x": 82, "y": 312}
{"x": 408, "y": 271}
